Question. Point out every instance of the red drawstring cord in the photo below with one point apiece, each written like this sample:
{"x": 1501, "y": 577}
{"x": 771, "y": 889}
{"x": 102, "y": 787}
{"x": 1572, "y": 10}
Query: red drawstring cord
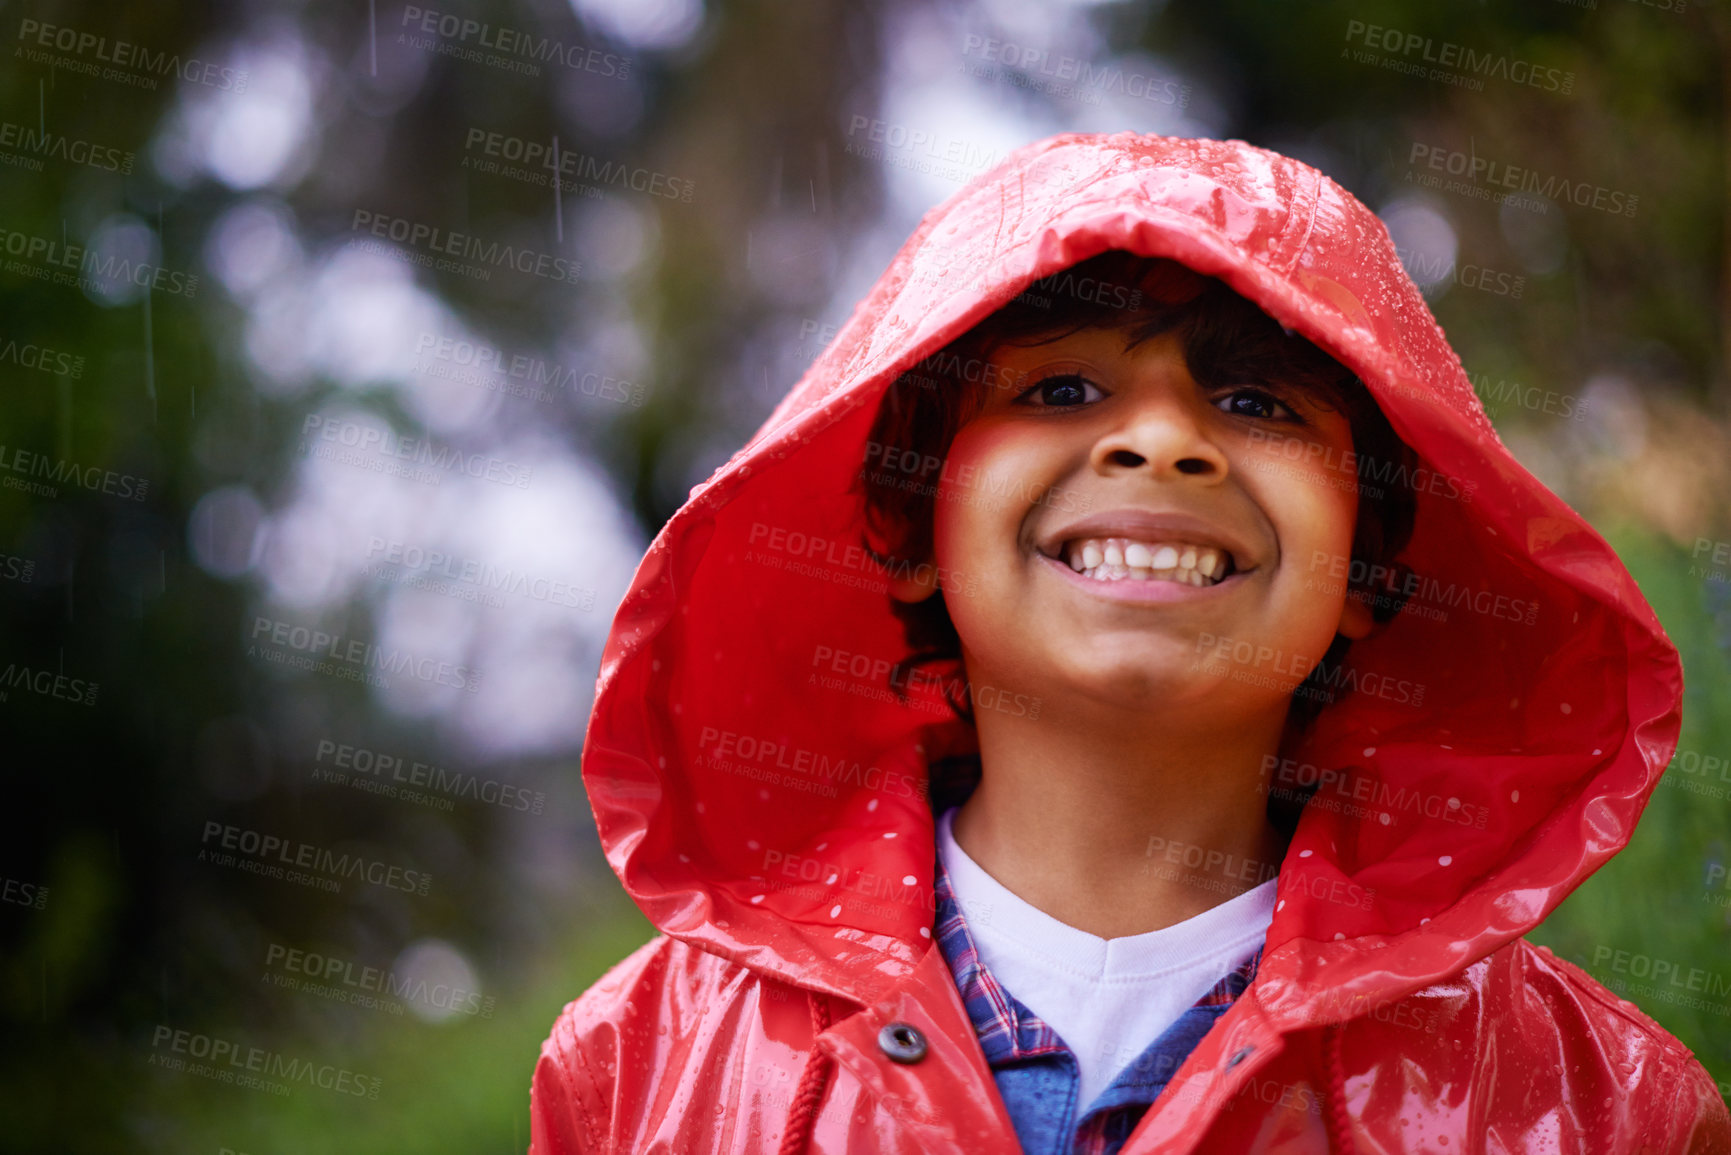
{"x": 1339, "y": 1127}
{"x": 797, "y": 1137}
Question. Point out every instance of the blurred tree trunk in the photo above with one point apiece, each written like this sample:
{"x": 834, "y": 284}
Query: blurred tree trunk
{"x": 1719, "y": 386}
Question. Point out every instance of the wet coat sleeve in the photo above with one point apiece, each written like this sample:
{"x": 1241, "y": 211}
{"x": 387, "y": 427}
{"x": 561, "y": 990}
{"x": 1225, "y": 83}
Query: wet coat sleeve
{"x": 572, "y": 1095}
{"x": 1703, "y": 1125}
{"x": 567, "y": 1101}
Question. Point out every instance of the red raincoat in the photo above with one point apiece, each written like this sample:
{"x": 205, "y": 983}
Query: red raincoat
{"x": 1498, "y": 748}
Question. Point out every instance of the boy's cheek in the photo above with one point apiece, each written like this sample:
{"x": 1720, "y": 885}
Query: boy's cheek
{"x": 1313, "y": 511}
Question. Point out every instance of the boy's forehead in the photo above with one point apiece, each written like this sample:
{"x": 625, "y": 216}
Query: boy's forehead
{"x": 1126, "y": 335}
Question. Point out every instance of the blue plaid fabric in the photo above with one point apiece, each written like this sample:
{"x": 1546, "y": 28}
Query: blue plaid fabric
{"x": 1037, "y": 1074}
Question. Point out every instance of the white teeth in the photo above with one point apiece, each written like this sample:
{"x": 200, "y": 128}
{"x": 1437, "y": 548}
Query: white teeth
{"x": 1120, "y": 559}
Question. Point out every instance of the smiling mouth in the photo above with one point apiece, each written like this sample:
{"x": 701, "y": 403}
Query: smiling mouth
{"x": 1113, "y": 559}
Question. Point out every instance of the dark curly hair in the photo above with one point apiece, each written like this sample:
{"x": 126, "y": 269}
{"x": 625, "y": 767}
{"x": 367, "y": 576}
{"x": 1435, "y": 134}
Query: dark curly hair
{"x": 1225, "y": 338}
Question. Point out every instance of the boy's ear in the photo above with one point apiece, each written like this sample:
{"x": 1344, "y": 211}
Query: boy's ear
{"x": 911, "y": 589}
{"x": 1355, "y": 618}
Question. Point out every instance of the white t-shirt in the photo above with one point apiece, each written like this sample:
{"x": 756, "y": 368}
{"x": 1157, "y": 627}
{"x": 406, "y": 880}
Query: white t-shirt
{"x": 1108, "y": 998}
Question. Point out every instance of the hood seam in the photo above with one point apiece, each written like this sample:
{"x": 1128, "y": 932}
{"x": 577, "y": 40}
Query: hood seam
{"x": 1291, "y": 262}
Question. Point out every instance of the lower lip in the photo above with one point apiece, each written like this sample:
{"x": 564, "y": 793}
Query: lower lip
{"x": 1141, "y": 590}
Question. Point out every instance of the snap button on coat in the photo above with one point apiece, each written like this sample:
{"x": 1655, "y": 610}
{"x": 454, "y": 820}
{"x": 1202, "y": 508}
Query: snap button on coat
{"x": 902, "y": 1042}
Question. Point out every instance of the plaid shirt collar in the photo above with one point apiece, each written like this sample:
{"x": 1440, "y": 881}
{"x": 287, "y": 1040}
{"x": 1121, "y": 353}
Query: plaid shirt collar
{"x": 1009, "y": 1031}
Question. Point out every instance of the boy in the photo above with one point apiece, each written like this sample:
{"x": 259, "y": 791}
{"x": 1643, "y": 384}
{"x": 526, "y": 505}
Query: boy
{"x": 1236, "y": 704}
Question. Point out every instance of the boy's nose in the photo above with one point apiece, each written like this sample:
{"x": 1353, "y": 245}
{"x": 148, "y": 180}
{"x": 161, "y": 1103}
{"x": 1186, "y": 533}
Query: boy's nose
{"x": 1165, "y": 433}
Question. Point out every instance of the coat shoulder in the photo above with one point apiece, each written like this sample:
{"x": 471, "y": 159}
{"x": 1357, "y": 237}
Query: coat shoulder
{"x": 663, "y": 970}
{"x": 1660, "y": 1068}
{"x": 611, "y": 1030}
{"x": 1523, "y": 1042}
{"x": 1578, "y": 1006}
{"x": 571, "y": 1092}
{"x": 1524, "y": 1009}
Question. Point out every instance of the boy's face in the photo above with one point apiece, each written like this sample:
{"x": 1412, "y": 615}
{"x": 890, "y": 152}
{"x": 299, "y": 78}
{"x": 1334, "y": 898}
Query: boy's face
{"x": 1096, "y": 447}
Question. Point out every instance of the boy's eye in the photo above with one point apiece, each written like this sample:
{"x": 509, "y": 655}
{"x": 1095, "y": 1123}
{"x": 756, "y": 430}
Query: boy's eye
{"x": 1251, "y": 402}
{"x": 1059, "y": 391}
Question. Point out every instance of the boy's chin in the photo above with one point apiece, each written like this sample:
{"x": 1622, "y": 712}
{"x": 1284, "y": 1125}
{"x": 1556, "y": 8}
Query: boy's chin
{"x": 1165, "y": 687}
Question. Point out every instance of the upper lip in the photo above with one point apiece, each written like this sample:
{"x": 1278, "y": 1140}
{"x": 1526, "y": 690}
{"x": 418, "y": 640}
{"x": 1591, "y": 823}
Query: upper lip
{"x": 1148, "y": 525}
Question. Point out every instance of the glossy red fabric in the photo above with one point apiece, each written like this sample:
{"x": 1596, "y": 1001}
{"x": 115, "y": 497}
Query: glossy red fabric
{"x": 1496, "y": 746}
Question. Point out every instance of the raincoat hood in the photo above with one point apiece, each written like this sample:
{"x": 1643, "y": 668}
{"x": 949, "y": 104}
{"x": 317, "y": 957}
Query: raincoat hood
{"x": 1488, "y": 749}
